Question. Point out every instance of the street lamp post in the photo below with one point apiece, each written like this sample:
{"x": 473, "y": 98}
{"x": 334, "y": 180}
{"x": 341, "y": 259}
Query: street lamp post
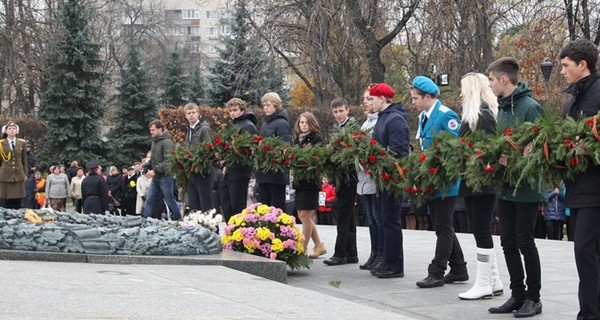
{"x": 546, "y": 67}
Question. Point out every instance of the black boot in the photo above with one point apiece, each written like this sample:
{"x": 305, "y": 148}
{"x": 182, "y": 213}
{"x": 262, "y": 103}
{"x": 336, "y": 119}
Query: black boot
{"x": 369, "y": 262}
{"x": 377, "y": 264}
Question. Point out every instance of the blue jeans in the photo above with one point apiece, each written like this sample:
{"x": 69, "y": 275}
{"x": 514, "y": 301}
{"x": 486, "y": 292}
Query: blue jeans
{"x": 371, "y": 206}
{"x": 165, "y": 184}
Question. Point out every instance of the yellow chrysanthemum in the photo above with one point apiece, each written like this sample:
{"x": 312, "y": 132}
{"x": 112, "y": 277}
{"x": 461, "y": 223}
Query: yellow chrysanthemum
{"x": 249, "y": 247}
{"x": 237, "y": 235}
{"x": 263, "y": 233}
{"x": 225, "y": 239}
{"x": 285, "y": 219}
{"x": 277, "y": 245}
{"x": 262, "y": 209}
{"x": 235, "y": 220}
{"x": 300, "y": 247}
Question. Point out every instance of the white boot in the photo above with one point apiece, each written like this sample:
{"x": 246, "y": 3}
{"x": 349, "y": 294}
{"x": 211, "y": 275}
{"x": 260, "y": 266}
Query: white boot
{"x": 481, "y": 289}
{"x": 495, "y": 282}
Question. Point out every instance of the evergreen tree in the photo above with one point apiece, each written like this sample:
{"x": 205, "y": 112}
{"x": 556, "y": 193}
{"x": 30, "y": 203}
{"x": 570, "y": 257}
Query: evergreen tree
{"x": 197, "y": 87}
{"x": 175, "y": 85}
{"x": 72, "y": 99}
{"x": 136, "y": 108}
{"x": 244, "y": 69}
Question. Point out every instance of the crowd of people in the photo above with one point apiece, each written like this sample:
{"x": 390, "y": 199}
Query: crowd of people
{"x": 492, "y": 101}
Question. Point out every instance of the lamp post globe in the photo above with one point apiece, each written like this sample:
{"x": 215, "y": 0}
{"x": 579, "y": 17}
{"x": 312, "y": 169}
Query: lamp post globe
{"x": 546, "y": 67}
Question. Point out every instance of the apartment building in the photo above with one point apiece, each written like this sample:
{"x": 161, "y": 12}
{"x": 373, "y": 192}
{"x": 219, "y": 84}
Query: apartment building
{"x": 198, "y": 24}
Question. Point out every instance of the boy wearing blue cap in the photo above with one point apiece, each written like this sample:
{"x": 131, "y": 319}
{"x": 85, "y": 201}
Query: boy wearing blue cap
{"x": 518, "y": 210}
{"x": 434, "y": 118}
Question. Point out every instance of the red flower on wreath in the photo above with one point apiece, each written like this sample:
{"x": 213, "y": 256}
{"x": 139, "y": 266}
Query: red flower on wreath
{"x": 433, "y": 170}
{"x": 507, "y": 131}
{"x": 422, "y": 157}
{"x": 372, "y": 158}
{"x": 471, "y": 144}
{"x": 267, "y": 148}
{"x": 489, "y": 168}
{"x": 590, "y": 122}
{"x": 385, "y": 176}
{"x": 292, "y": 156}
{"x": 573, "y": 162}
{"x": 463, "y": 140}
{"x": 535, "y": 129}
{"x": 208, "y": 146}
{"x": 315, "y": 155}
{"x": 218, "y": 140}
{"x": 172, "y": 152}
{"x": 257, "y": 139}
{"x": 373, "y": 142}
{"x": 382, "y": 153}
{"x": 180, "y": 166}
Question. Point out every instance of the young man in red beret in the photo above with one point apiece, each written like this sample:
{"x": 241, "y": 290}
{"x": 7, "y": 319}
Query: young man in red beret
{"x": 391, "y": 130}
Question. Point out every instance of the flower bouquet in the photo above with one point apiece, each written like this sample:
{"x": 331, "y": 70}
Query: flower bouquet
{"x": 208, "y": 219}
{"x": 268, "y": 232}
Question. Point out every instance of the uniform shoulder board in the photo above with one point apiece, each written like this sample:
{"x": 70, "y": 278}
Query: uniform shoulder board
{"x": 444, "y": 109}
{"x": 21, "y": 140}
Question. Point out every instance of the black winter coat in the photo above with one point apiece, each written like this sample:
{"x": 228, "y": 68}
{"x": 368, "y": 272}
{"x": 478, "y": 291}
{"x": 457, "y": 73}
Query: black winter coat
{"x": 487, "y": 124}
{"x": 584, "y": 190}
{"x": 311, "y": 139}
{"x": 276, "y": 125}
{"x": 94, "y": 192}
{"x": 245, "y": 123}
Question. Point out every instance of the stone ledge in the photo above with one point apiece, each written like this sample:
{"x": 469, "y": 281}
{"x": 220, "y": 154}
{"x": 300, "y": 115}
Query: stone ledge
{"x": 270, "y": 269}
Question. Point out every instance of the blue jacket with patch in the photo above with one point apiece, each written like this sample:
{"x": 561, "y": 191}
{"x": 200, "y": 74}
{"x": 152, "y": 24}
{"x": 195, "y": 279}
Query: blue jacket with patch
{"x": 442, "y": 118}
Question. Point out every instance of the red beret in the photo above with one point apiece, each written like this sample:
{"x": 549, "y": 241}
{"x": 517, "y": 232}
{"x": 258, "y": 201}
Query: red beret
{"x": 382, "y": 90}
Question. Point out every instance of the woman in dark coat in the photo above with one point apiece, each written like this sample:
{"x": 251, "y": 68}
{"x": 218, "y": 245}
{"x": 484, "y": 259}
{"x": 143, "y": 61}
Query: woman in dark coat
{"x": 115, "y": 186}
{"x": 480, "y": 111}
{"x": 307, "y": 191}
{"x": 271, "y": 184}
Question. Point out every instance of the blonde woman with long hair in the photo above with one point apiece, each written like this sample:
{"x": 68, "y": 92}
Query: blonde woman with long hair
{"x": 479, "y": 113}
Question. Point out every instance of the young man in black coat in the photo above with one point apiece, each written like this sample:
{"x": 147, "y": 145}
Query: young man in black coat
{"x": 199, "y": 187}
{"x": 578, "y": 59}
{"x": 237, "y": 176}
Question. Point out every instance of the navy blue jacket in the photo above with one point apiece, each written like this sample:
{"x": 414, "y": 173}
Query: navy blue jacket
{"x": 391, "y": 130}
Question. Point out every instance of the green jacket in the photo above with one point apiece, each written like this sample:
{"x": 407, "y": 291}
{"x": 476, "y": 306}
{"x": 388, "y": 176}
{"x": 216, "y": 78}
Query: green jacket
{"x": 161, "y": 148}
{"x": 513, "y": 110}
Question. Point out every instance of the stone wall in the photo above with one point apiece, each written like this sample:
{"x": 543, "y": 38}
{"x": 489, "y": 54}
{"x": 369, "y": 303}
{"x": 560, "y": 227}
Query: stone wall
{"x": 103, "y": 234}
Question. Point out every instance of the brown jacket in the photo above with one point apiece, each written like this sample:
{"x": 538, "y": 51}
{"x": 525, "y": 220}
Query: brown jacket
{"x": 13, "y": 168}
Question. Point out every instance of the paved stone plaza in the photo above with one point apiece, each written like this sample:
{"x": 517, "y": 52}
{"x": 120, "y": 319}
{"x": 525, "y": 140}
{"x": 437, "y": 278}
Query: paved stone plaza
{"x": 62, "y": 290}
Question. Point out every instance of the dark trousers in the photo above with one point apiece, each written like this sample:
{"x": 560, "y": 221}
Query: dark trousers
{"x": 238, "y": 196}
{"x": 128, "y": 206}
{"x": 371, "y": 206}
{"x": 11, "y": 203}
{"x": 517, "y": 230}
{"x": 480, "y": 209}
{"x": 272, "y": 195}
{"x": 345, "y": 242}
{"x": 79, "y": 205}
{"x": 554, "y": 229}
{"x": 391, "y": 227}
{"x": 447, "y": 247}
{"x": 587, "y": 255}
{"x": 200, "y": 192}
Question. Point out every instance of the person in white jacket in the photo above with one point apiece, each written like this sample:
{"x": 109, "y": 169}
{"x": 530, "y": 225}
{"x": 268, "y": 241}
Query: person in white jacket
{"x": 142, "y": 185}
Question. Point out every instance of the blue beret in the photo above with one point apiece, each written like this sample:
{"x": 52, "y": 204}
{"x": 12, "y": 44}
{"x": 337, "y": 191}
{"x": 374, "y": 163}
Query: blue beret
{"x": 425, "y": 85}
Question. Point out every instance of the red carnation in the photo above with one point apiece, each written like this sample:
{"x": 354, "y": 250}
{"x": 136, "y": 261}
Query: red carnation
{"x": 535, "y": 129}
{"x": 172, "y": 152}
{"x": 382, "y": 153}
{"x": 227, "y": 145}
{"x": 478, "y": 152}
{"x": 218, "y": 140}
{"x": 257, "y": 138}
{"x": 267, "y": 148}
{"x": 408, "y": 190}
{"x": 463, "y": 140}
{"x": 315, "y": 155}
{"x": 432, "y": 170}
{"x": 372, "y": 158}
{"x": 507, "y": 131}
{"x": 429, "y": 189}
{"x": 423, "y": 157}
{"x": 180, "y": 166}
{"x": 373, "y": 142}
{"x": 208, "y": 146}
{"x": 292, "y": 156}
{"x": 386, "y": 176}
{"x": 489, "y": 168}
{"x": 470, "y": 144}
